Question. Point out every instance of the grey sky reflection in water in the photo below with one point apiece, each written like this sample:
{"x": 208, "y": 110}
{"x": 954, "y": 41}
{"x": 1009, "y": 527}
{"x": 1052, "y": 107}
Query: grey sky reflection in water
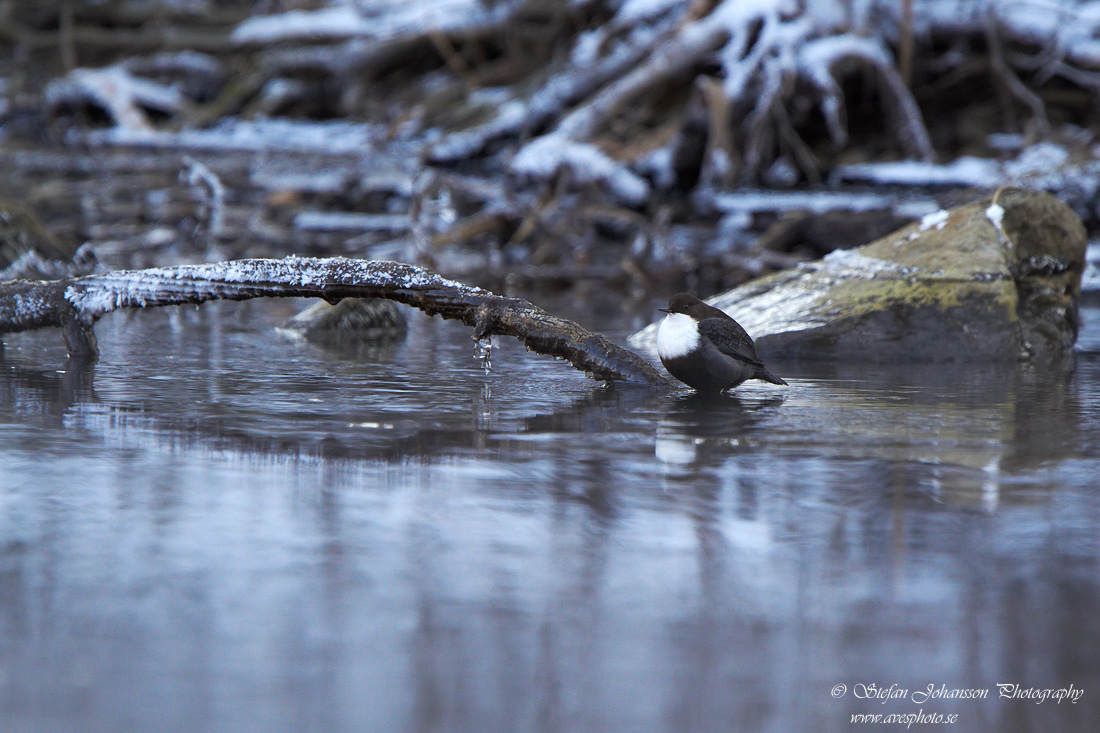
{"x": 221, "y": 530}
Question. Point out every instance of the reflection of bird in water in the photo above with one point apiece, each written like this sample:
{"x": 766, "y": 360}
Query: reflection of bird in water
{"x": 706, "y": 349}
{"x": 698, "y": 426}
{"x": 28, "y": 251}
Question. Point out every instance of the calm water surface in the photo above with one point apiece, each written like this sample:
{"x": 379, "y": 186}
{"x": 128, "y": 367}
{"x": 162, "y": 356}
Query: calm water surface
{"x": 220, "y": 529}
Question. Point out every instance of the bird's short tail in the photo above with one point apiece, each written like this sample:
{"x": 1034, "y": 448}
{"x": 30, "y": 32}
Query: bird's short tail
{"x": 763, "y": 373}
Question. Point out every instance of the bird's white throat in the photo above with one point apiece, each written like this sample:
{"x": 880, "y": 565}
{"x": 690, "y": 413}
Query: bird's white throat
{"x": 677, "y": 336}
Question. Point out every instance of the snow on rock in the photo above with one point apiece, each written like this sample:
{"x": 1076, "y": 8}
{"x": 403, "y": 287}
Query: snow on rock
{"x": 546, "y": 155}
{"x": 936, "y": 219}
{"x": 996, "y": 214}
{"x": 852, "y": 263}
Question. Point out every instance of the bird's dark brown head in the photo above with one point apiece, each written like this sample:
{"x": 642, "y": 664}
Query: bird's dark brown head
{"x": 689, "y": 305}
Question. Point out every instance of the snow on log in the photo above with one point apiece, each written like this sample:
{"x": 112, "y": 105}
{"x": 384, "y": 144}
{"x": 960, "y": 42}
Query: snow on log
{"x": 334, "y": 137}
{"x": 586, "y": 72}
{"x": 546, "y": 155}
{"x": 764, "y": 47}
{"x": 381, "y": 21}
{"x": 75, "y": 304}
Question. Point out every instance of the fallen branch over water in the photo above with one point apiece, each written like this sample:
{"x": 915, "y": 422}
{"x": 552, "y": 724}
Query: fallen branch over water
{"x": 75, "y": 304}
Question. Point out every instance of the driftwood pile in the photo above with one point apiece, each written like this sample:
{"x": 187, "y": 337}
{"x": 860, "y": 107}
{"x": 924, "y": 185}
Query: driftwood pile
{"x": 548, "y": 141}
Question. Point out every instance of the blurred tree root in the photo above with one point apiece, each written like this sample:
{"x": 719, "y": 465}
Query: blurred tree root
{"x": 75, "y": 304}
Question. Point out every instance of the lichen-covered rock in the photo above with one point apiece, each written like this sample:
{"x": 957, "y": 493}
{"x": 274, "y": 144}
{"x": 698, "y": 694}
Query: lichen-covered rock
{"x": 998, "y": 279}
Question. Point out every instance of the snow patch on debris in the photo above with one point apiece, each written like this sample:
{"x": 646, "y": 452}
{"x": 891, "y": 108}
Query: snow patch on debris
{"x": 546, "y": 155}
{"x": 337, "y": 221}
{"x": 820, "y": 202}
{"x": 338, "y": 22}
{"x": 378, "y": 20}
{"x": 123, "y": 96}
{"x": 281, "y": 135}
{"x": 633, "y": 11}
{"x": 1068, "y": 25}
{"x": 963, "y": 171}
{"x": 1044, "y": 166}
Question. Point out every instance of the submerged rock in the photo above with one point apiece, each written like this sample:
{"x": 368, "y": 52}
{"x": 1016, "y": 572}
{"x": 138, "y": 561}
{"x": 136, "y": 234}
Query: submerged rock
{"x": 351, "y": 322}
{"x": 995, "y": 280}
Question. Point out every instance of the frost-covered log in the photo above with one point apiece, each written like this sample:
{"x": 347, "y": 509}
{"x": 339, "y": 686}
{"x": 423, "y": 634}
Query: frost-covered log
{"x": 74, "y": 305}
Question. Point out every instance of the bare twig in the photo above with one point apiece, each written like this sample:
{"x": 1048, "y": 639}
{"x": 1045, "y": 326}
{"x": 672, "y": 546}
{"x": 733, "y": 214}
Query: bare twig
{"x": 905, "y": 44}
{"x": 1009, "y": 82}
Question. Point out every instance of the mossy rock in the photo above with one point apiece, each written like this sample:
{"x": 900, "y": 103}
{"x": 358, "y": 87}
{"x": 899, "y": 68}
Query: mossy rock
{"x": 995, "y": 280}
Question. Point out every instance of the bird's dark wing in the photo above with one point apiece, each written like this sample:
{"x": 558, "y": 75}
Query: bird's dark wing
{"x": 730, "y": 338}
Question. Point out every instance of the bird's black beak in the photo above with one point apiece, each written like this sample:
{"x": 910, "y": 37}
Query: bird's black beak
{"x": 664, "y": 310}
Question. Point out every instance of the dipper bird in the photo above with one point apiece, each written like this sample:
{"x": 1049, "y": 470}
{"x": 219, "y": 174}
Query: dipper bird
{"x": 706, "y": 349}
